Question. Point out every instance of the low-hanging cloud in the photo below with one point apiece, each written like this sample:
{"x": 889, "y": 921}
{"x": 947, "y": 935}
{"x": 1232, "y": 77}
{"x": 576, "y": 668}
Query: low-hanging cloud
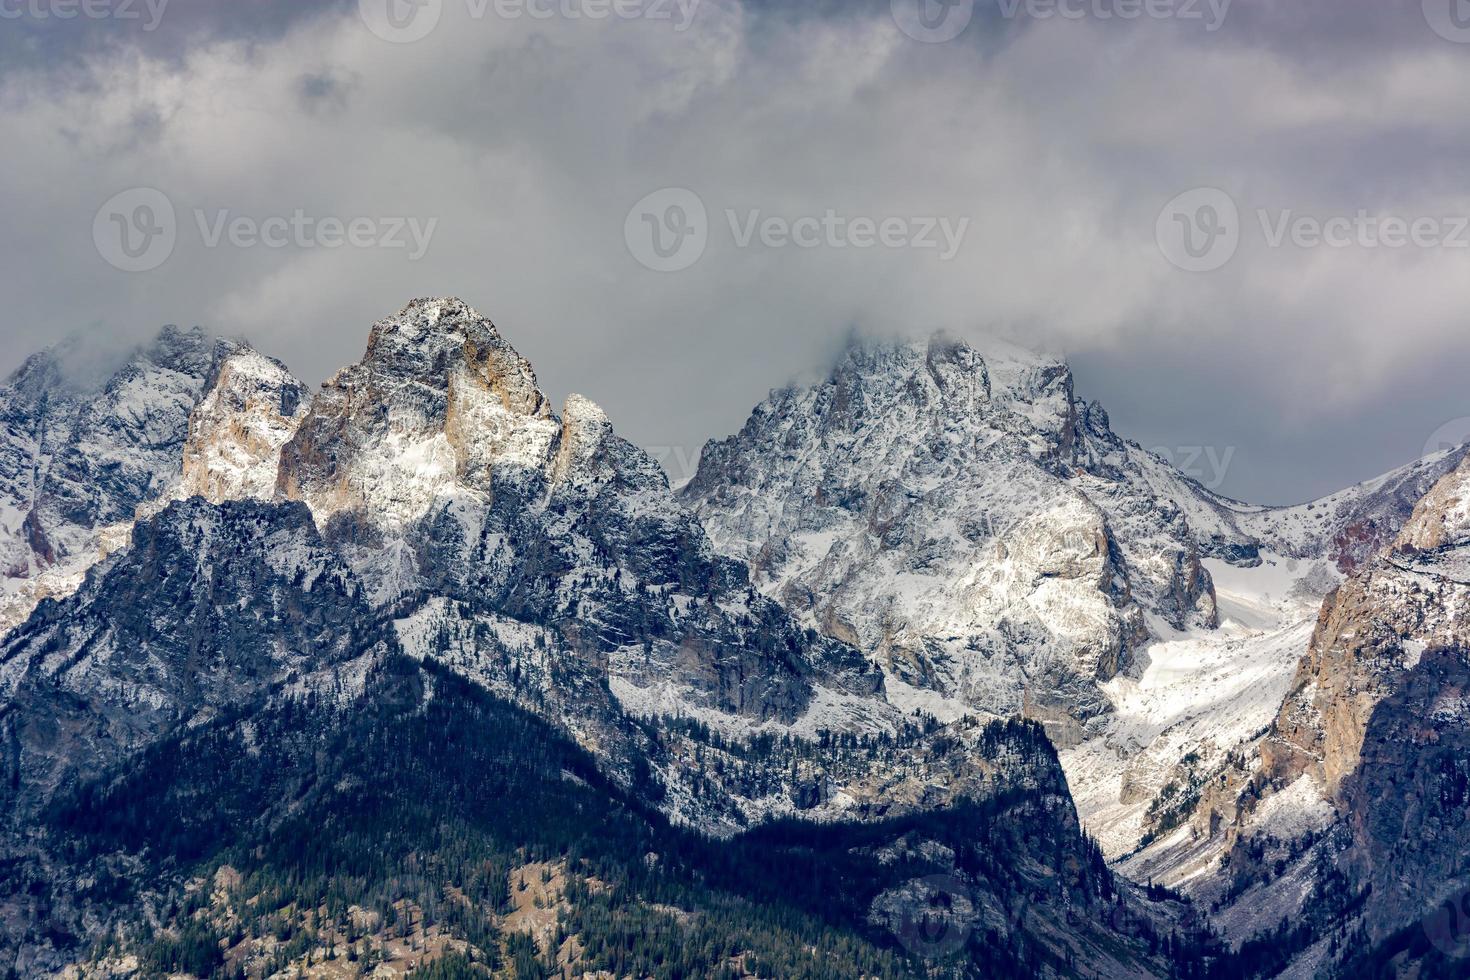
{"x": 524, "y": 142}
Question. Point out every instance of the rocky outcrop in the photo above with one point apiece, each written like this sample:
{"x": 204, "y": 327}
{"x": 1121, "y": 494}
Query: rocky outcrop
{"x": 236, "y": 433}
{"x": 1348, "y": 816}
{"x": 961, "y": 516}
{"x": 1347, "y": 528}
{"x": 81, "y": 447}
{"x": 1377, "y": 626}
{"x": 210, "y": 610}
{"x": 439, "y": 454}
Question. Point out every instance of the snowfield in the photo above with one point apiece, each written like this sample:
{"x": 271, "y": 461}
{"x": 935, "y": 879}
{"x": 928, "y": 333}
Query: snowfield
{"x": 1203, "y": 693}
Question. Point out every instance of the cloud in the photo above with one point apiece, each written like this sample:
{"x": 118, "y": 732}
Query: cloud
{"x": 529, "y": 139}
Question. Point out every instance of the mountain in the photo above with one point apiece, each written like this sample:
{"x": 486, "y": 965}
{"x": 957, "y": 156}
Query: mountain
{"x": 417, "y": 672}
{"x": 1352, "y": 826}
{"x": 1347, "y": 527}
{"x": 964, "y": 518}
{"x": 958, "y": 513}
{"x": 82, "y": 444}
{"x": 359, "y": 656}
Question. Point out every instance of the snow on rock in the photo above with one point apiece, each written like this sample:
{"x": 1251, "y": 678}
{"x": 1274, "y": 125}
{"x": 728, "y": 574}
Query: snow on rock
{"x": 1347, "y": 527}
{"x": 80, "y": 450}
{"x": 1204, "y": 696}
{"x": 233, "y": 450}
{"x": 958, "y": 514}
{"x": 438, "y": 401}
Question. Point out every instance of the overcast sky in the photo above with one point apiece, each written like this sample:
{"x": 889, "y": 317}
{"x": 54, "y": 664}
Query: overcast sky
{"x": 1027, "y": 171}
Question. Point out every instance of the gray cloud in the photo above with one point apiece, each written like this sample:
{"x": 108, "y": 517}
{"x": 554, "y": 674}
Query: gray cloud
{"x": 530, "y": 139}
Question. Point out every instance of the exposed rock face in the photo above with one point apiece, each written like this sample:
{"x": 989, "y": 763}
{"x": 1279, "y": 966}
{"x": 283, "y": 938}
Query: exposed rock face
{"x": 1440, "y": 524}
{"x": 936, "y": 526}
{"x": 984, "y": 535}
{"x": 1348, "y": 527}
{"x": 439, "y": 401}
{"x": 964, "y": 519}
{"x": 1410, "y": 599}
{"x": 1351, "y": 813}
{"x": 431, "y": 503}
{"x": 78, "y": 455}
{"x": 440, "y": 469}
{"x": 233, "y": 449}
{"x": 210, "y": 610}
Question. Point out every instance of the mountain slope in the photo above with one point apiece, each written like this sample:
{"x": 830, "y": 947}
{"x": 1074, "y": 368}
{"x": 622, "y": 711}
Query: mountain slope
{"x": 78, "y": 454}
{"x": 883, "y": 505}
{"x": 435, "y": 527}
{"x": 208, "y": 609}
{"x": 325, "y": 809}
{"x": 953, "y": 514}
{"x": 1347, "y": 817}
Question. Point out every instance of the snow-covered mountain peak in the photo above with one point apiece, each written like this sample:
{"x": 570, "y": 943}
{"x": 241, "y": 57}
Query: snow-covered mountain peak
{"x": 922, "y": 502}
{"x": 432, "y": 341}
{"x": 78, "y": 455}
{"x": 236, "y": 433}
{"x": 439, "y": 403}
{"x": 963, "y": 376}
{"x": 1442, "y": 518}
{"x": 585, "y": 429}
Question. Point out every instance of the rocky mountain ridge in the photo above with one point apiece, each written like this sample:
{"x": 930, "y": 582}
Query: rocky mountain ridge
{"x": 955, "y": 516}
{"x": 78, "y": 454}
{"x": 937, "y": 535}
{"x": 871, "y": 498}
{"x": 427, "y": 506}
